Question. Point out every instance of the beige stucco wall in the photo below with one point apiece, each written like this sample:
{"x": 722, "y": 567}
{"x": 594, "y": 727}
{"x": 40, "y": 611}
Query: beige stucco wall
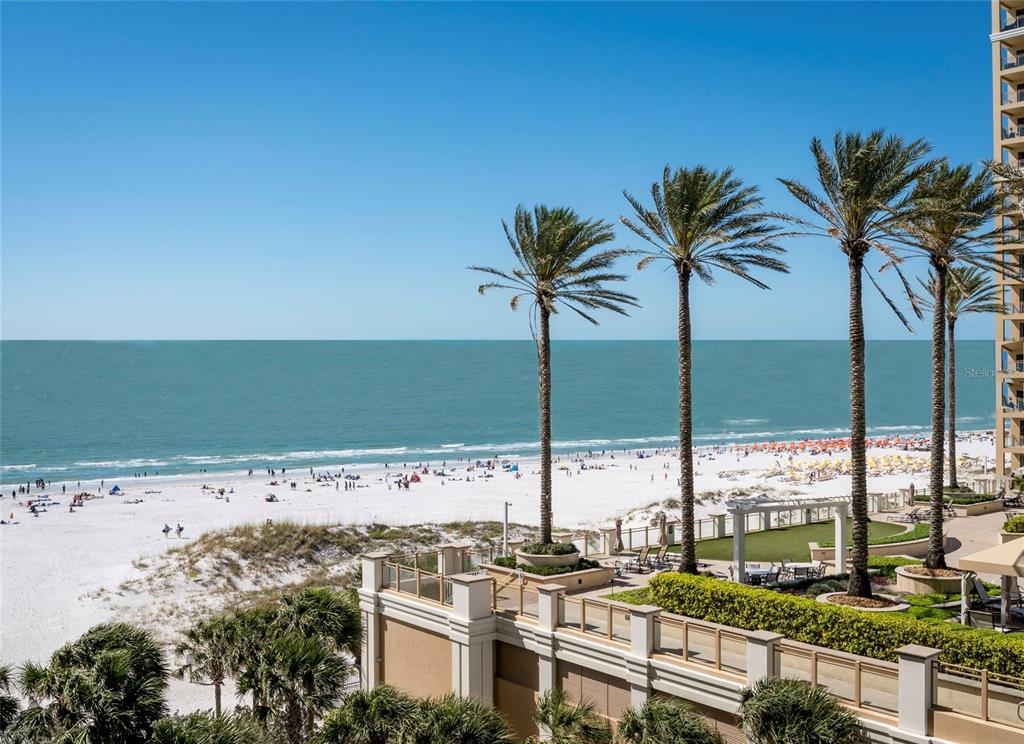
{"x": 967, "y": 730}
{"x": 516, "y": 681}
{"x": 414, "y": 660}
{"x": 609, "y": 695}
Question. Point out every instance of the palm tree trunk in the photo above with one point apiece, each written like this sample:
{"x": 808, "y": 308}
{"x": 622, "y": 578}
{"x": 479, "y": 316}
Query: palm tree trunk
{"x": 216, "y": 698}
{"x": 951, "y": 382}
{"x": 936, "y": 557}
{"x": 860, "y": 583}
{"x": 293, "y": 722}
{"x": 687, "y": 544}
{"x": 544, "y": 380}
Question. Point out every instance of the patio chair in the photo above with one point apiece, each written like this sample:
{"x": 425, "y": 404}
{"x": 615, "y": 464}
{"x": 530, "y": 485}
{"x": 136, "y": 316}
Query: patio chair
{"x": 983, "y": 596}
{"x": 661, "y": 561}
{"x": 772, "y": 577}
{"x": 983, "y": 619}
{"x": 642, "y": 561}
{"x": 912, "y": 516}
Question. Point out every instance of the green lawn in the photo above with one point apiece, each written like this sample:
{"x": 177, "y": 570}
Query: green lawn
{"x": 788, "y": 543}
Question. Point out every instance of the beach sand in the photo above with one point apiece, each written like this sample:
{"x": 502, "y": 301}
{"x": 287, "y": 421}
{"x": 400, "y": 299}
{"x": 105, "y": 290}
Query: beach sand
{"x": 53, "y": 566}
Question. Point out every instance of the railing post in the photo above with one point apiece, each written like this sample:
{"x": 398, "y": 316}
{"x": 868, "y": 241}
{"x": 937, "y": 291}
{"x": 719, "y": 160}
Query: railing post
{"x": 369, "y": 610}
{"x": 719, "y": 525}
{"x": 547, "y": 622}
{"x": 641, "y": 645}
{"x": 761, "y": 655}
{"x": 916, "y": 687}
{"x": 471, "y": 629}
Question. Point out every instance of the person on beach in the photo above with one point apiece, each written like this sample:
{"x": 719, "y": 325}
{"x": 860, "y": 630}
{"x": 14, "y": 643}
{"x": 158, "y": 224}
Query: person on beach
{"x": 179, "y": 530}
{"x": 166, "y": 530}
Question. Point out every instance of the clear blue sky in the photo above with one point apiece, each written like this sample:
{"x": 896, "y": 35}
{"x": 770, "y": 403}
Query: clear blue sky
{"x": 259, "y": 170}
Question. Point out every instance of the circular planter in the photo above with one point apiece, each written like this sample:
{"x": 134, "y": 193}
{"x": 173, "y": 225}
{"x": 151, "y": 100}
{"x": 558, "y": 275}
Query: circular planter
{"x": 553, "y": 561}
{"x": 899, "y": 607}
{"x": 912, "y": 583}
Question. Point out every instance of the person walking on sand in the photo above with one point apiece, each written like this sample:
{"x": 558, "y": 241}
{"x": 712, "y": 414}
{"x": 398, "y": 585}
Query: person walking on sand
{"x": 166, "y": 530}
{"x": 179, "y": 530}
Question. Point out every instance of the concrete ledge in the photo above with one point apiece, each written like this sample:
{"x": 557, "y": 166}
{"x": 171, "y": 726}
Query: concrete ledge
{"x": 911, "y": 548}
{"x": 589, "y": 578}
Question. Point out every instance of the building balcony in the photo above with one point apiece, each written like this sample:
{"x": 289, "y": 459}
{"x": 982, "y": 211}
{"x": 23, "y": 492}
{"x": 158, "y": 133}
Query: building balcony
{"x": 1012, "y": 68}
{"x": 1013, "y": 137}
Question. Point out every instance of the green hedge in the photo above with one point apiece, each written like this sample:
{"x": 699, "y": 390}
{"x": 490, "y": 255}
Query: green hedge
{"x": 1014, "y": 524}
{"x": 581, "y": 565}
{"x": 876, "y": 635}
{"x": 917, "y": 532}
{"x": 549, "y": 549}
{"x": 887, "y": 564}
{"x": 960, "y": 499}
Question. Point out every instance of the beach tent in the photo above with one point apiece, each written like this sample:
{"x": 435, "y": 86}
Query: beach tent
{"x": 115, "y": 489}
{"x": 1006, "y": 560}
{"x": 514, "y": 468}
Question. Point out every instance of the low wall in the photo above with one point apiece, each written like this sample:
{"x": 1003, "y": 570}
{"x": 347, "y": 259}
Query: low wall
{"x": 590, "y": 578}
{"x": 973, "y": 510}
{"x": 1005, "y": 537}
{"x": 911, "y": 548}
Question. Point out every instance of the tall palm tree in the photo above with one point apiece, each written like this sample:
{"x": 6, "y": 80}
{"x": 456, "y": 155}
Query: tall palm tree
{"x": 203, "y": 728}
{"x": 569, "y": 723}
{"x": 969, "y": 289}
{"x": 702, "y": 221}
{"x": 323, "y": 612}
{"x": 777, "y": 710}
{"x": 207, "y": 649}
{"x": 866, "y": 197}
{"x": 105, "y": 688}
{"x": 556, "y": 268}
{"x": 954, "y": 205}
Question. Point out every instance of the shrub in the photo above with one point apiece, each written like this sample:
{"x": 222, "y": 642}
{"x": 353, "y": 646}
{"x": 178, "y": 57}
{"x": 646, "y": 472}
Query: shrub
{"x": 549, "y": 548}
{"x": 665, "y": 721}
{"x": 790, "y": 711}
{"x": 960, "y": 498}
{"x": 1014, "y": 524}
{"x": 581, "y": 565}
{"x": 876, "y": 635}
{"x": 824, "y": 587}
{"x": 887, "y": 564}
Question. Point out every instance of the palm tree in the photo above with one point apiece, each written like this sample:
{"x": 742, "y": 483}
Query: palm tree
{"x": 458, "y": 720}
{"x": 208, "y": 648}
{"x": 203, "y": 728}
{"x": 970, "y": 290}
{"x": 954, "y": 205}
{"x": 568, "y": 723}
{"x": 382, "y": 716}
{"x": 556, "y": 268}
{"x": 702, "y": 221}
{"x": 324, "y": 612}
{"x": 779, "y": 711}
{"x": 8, "y": 703}
{"x": 867, "y": 198}
{"x": 105, "y": 688}
{"x": 665, "y": 721}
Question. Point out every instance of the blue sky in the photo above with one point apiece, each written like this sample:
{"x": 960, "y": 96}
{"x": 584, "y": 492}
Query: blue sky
{"x": 260, "y": 170}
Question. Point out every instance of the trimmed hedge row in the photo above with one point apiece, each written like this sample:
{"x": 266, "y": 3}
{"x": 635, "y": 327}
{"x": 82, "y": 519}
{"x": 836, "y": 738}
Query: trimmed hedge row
{"x": 876, "y": 635}
{"x": 959, "y": 498}
{"x": 1014, "y": 524}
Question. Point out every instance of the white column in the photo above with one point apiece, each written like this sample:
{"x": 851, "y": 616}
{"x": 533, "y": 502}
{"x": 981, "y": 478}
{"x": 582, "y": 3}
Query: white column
{"x": 965, "y": 596}
{"x": 915, "y": 687}
{"x": 547, "y": 621}
{"x": 369, "y": 611}
{"x": 471, "y": 629}
{"x": 1005, "y": 587}
{"x": 641, "y": 646}
{"x": 739, "y": 528}
{"x": 840, "y": 538}
{"x": 719, "y": 525}
{"x": 761, "y": 655}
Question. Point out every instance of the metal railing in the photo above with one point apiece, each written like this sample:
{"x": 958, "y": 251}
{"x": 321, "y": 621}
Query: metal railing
{"x": 514, "y": 597}
{"x": 869, "y": 684}
{"x": 699, "y": 642}
{"x": 979, "y": 693}
{"x": 418, "y": 583}
{"x": 594, "y": 617}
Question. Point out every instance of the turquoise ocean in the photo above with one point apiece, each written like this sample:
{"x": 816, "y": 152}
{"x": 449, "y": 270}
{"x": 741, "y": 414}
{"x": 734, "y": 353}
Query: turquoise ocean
{"x": 79, "y": 410}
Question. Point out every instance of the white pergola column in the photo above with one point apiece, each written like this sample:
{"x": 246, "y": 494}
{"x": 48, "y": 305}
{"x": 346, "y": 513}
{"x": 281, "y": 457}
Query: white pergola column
{"x": 841, "y": 535}
{"x": 739, "y": 529}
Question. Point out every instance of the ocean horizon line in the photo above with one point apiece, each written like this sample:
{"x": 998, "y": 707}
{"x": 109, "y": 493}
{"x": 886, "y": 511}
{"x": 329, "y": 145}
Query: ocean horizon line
{"x": 462, "y": 340}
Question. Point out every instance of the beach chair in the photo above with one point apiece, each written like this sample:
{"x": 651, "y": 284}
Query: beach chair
{"x": 912, "y": 516}
{"x": 983, "y": 596}
{"x": 642, "y": 562}
{"x": 661, "y": 559}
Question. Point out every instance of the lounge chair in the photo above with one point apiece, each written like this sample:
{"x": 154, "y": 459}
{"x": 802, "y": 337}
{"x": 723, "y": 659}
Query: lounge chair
{"x": 661, "y": 561}
{"x": 913, "y": 516}
{"x": 983, "y": 596}
{"x": 642, "y": 562}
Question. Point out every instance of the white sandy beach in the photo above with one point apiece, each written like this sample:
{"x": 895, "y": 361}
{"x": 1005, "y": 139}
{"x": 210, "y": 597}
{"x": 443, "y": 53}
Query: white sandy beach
{"x": 49, "y": 564}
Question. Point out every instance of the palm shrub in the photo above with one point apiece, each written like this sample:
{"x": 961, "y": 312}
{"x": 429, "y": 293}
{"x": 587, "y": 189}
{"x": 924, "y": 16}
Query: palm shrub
{"x": 9, "y": 706}
{"x": 866, "y": 198}
{"x": 457, "y": 720}
{"x": 381, "y": 716}
{"x": 665, "y": 721}
{"x": 789, "y": 711}
{"x": 569, "y": 723}
{"x": 702, "y": 222}
{"x": 953, "y": 206}
{"x": 105, "y": 688}
{"x": 209, "y": 728}
{"x": 556, "y": 267}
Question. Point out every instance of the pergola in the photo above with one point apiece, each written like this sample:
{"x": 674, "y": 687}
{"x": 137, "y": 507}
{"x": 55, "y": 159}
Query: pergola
{"x": 765, "y": 506}
{"x": 1005, "y": 561}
